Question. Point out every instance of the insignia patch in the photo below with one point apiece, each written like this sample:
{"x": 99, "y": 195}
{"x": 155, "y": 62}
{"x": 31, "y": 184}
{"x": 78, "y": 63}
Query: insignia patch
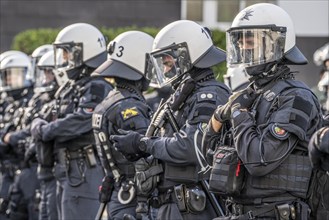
{"x": 278, "y": 132}
{"x": 246, "y": 15}
{"x": 129, "y": 112}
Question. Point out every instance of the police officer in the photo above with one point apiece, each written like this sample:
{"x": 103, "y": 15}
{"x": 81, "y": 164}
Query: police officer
{"x": 47, "y": 85}
{"x": 124, "y": 108}
{"x": 321, "y": 58}
{"x": 272, "y": 120}
{"x": 79, "y": 49}
{"x": 16, "y": 81}
{"x": 319, "y": 156}
{"x": 182, "y": 55}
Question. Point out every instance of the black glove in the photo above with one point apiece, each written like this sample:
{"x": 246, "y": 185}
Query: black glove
{"x": 318, "y": 148}
{"x": 241, "y": 99}
{"x": 36, "y": 128}
{"x": 244, "y": 98}
{"x": 127, "y": 143}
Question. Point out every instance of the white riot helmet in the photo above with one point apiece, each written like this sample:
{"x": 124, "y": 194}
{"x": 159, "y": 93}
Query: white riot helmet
{"x": 38, "y": 53}
{"x": 177, "y": 48}
{"x": 79, "y": 44}
{"x": 10, "y": 52}
{"x": 236, "y": 78}
{"x": 45, "y": 79}
{"x": 15, "y": 72}
{"x": 262, "y": 33}
{"x": 321, "y": 55}
{"x": 127, "y": 53}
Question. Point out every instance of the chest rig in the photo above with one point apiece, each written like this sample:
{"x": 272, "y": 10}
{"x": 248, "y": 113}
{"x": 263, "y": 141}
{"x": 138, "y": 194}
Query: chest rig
{"x": 294, "y": 173}
{"x": 105, "y": 124}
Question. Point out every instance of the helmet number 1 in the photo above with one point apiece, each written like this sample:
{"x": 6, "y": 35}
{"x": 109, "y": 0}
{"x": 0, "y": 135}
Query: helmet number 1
{"x": 101, "y": 41}
{"x": 205, "y": 32}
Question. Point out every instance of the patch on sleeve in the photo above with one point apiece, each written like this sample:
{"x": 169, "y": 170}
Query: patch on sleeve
{"x": 279, "y": 133}
{"x": 206, "y": 97}
{"x": 129, "y": 112}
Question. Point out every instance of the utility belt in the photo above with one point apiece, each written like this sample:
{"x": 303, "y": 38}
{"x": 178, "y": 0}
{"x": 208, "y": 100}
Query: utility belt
{"x": 293, "y": 210}
{"x": 85, "y": 153}
{"x": 83, "y": 158}
{"x": 189, "y": 199}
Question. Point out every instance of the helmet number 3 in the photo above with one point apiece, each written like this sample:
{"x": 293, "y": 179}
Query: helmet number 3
{"x": 120, "y": 53}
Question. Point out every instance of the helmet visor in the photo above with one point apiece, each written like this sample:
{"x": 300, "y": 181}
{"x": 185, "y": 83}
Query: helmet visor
{"x": 165, "y": 65}
{"x": 44, "y": 77}
{"x": 68, "y": 55}
{"x": 254, "y": 46}
{"x": 14, "y": 78}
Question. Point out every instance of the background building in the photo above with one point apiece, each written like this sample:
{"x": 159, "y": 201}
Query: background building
{"x": 309, "y": 16}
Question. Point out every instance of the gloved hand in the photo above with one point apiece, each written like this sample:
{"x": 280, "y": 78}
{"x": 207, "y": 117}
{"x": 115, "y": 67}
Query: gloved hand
{"x": 241, "y": 99}
{"x": 244, "y": 98}
{"x": 127, "y": 143}
{"x": 36, "y": 128}
{"x": 318, "y": 150}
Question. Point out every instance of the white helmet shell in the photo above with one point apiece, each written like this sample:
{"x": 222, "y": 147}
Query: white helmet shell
{"x": 202, "y": 51}
{"x": 264, "y": 14}
{"x": 10, "y": 52}
{"x": 321, "y": 55}
{"x": 40, "y": 51}
{"x": 92, "y": 40}
{"x": 236, "y": 78}
{"x": 17, "y": 67}
{"x": 47, "y": 60}
{"x": 16, "y": 60}
{"x": 127, "y": 53}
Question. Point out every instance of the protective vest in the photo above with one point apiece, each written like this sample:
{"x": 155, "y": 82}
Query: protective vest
{"x": 199, "y": 105}
{"x": 105, "y": 120}
{"x": 294, "y": 174}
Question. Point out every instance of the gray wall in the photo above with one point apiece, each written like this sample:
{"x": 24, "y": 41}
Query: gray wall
{"x": 19, "y": 15}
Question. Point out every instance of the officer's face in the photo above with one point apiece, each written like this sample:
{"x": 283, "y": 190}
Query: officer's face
{"x": 168, "y": 63}
{"x": 247, "y": 43}
{"x": 49, "y": 76}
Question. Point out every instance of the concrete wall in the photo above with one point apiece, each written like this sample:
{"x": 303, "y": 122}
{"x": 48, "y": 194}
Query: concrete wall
{"x": 19, "y": 15}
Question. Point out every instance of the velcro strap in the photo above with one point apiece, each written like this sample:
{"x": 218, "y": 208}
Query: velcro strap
{"x": 153, "y": 171}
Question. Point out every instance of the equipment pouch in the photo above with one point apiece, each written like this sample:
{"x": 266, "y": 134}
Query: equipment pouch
{"x": 195, "y": 199}
{"x": 90, "y": 156}
{"x": 227, "y": 174}
{"x": 180, "y": 197}
{"x": 147, "y": 175}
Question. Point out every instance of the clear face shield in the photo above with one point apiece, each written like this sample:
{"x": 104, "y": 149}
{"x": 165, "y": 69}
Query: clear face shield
{"x": 165, "y": 65}
{"x": 68, "y": 55}
{"x": 250, "y": 46}
{"x": 14, "y": 78}
{"x": 44, "y": 79}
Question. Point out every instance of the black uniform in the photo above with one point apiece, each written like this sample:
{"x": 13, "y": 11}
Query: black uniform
{"x": 77, "y": 168}
{"x": 11, "y": 156}
{"x": 271, "y": 140}
{"x": 180, "y": 193}
{"x": 319, "y": 156}
{"x": 124, "y": 108}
